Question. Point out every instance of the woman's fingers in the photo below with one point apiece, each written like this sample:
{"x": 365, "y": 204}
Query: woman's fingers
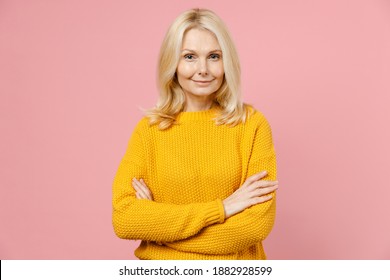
{"x": 143, "y": 183}
{"x": 252, "y": 179}
{"x": 264, "y": 191}
{"x": 262, "y": 184}
{"x": 149, "y": 193}
{"x": 262, "y": 187}
{"x": 138, "y": 190}
{"x": 261, "y": 199}
{"x": 142, "y": 190}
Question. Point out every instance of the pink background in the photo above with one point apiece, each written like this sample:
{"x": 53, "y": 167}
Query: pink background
{"x": 74, "y": 73}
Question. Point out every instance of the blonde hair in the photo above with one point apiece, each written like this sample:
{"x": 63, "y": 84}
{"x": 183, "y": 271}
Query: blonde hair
{"x": 172, "y": 99}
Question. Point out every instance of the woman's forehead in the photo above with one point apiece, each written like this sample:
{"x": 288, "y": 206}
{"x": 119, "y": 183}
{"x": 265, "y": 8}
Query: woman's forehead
{"x": 200, "y": 39}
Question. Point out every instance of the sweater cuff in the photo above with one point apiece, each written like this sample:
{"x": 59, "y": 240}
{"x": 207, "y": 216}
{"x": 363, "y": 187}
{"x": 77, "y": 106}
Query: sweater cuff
{"x": 216, "y": 213}
{"x": 221, "y": 210}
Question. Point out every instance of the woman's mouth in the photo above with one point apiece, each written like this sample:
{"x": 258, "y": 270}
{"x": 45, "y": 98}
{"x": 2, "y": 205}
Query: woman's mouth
{"x": 201, "y": 82}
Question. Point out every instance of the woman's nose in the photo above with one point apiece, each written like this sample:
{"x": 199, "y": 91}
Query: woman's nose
{"x": 202, "y": 67}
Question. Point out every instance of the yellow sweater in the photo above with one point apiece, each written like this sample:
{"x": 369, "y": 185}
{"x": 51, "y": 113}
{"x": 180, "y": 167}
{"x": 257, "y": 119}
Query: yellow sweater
{"x": 190, "y": 168}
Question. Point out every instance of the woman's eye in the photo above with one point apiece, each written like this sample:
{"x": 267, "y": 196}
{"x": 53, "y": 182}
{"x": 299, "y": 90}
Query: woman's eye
{"x": 189, "y": 56}
{"x": 214, "y": 56}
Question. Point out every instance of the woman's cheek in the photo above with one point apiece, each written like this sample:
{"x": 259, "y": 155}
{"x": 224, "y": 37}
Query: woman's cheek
{"x": 186, "y": 70}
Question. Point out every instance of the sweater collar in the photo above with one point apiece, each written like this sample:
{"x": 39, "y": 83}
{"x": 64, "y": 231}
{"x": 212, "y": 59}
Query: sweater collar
{"x": 198, "y": 115}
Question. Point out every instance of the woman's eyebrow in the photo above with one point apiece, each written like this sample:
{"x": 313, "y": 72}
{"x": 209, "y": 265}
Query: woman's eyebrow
{"x": 216, "y": 50}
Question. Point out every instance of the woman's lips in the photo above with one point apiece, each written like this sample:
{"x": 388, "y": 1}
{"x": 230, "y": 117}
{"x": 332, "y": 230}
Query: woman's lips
{"x": 202, "y": 82}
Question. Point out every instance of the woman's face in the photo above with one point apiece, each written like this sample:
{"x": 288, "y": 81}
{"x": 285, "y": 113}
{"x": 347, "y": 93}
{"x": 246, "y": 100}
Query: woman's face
{"x": 200, "y": 70}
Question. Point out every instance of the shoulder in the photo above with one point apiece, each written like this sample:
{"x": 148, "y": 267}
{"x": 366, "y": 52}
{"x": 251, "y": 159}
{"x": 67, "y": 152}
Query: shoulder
{"x": 255, "y": 118}
{"x": 259, "y": 129}
{"x": 142, "y": 127}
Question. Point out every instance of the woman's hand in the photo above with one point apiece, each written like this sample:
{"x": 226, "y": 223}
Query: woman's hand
{"x": 253, "y": 191}
{"x": 141, "y": 189}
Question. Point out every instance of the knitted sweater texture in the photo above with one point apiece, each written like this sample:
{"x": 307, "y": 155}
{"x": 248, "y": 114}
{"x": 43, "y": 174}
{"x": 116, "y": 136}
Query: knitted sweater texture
{"x": 190, "y": 168}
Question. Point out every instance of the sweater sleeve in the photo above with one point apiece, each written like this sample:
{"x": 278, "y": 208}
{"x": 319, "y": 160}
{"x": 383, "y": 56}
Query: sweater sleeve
{"x": 253, "y": 224}
{"x": 143, "y": 219}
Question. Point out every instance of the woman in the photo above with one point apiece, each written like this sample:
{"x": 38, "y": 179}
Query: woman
{"x": 197, "y": 179}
